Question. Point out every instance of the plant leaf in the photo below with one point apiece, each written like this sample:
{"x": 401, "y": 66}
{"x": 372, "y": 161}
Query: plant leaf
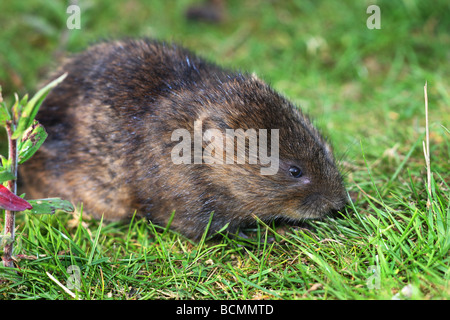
{"x": 30, "y": 110}
{"x": 16, "y": 108}
{"x": 6, "y": 239}
{"x": 50, "y": 206}
{"x": 6, "y": 175}
{"x": 6, "y": 163}
{"x": 10, "y": 201}
{"x": 31, "y": 141}
{"x": 4, "y": 114}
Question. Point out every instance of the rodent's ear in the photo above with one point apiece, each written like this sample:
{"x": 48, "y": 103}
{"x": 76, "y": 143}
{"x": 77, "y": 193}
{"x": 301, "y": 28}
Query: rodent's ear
{"x": 328, "y": 150}
{"x": 255, "y": 77}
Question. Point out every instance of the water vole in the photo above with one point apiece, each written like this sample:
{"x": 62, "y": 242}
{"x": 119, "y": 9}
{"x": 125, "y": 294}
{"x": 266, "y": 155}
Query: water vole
{"x": 117, "y": 142}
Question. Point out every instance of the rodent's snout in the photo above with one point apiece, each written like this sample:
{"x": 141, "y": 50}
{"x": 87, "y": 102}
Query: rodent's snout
{"x": 318, "y": 204}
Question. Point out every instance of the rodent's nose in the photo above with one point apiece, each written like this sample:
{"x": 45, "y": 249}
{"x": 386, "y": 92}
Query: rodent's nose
{"x": 322, "y": 203}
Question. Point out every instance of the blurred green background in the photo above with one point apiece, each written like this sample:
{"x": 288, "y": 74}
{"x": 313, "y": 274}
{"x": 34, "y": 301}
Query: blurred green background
{"x": 358, "y": 84}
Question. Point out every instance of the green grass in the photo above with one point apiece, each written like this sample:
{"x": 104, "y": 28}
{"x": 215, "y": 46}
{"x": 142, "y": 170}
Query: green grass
{"x": 364, "y": 88}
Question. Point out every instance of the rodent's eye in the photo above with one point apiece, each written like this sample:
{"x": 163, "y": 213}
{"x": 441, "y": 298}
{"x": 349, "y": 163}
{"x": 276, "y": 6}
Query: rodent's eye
{"x": 295, "y": 172}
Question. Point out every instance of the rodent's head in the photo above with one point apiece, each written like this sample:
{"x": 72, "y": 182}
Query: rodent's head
{"x": 306, "y": 182}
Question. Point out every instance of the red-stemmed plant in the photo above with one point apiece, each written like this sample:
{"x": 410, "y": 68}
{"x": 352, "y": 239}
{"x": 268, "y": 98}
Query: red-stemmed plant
{"x": 25, "y": 135}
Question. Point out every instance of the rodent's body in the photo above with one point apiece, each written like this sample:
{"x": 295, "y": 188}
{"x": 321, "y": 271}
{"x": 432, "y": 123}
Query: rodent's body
{"x": 110, "y": 126}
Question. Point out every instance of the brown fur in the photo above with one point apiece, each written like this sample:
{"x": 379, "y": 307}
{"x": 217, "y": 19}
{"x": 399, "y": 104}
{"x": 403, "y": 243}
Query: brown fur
{"x": 110, "y": 124}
